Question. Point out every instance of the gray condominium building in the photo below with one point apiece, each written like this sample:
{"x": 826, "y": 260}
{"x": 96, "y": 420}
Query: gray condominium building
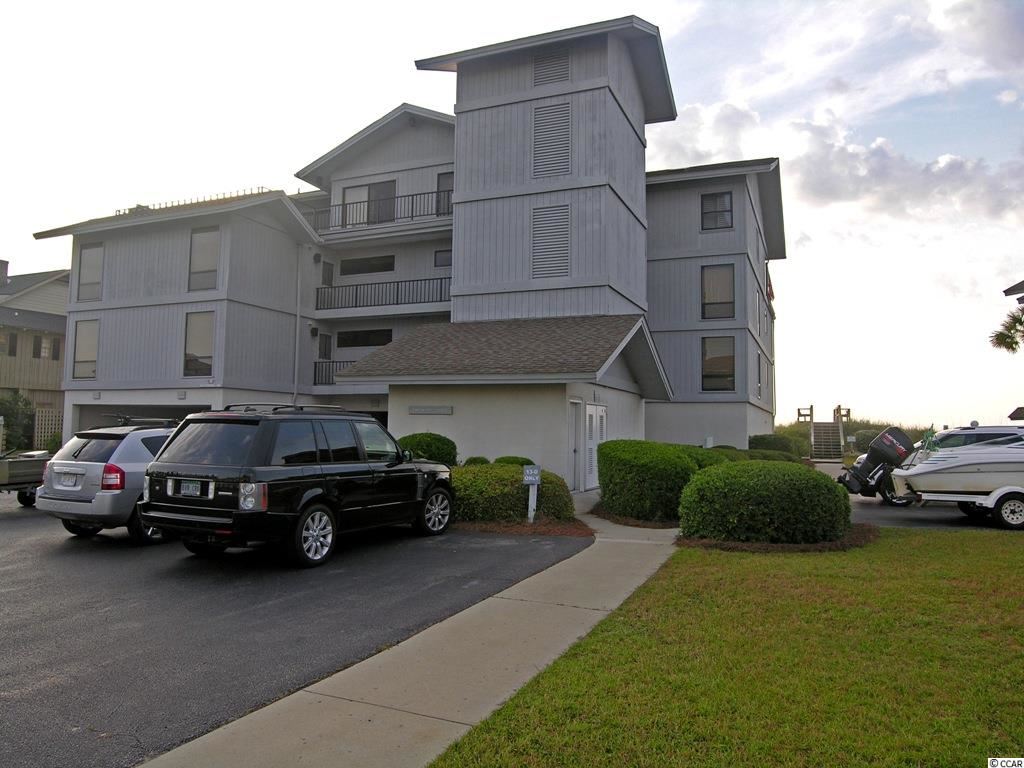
{"x": 510, "y": 276}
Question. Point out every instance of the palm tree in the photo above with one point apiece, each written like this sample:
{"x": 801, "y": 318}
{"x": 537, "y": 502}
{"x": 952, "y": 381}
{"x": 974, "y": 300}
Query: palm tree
{"x": 1010, "y": 335}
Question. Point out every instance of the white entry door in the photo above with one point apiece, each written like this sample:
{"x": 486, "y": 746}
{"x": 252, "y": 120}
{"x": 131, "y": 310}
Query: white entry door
{"x": 574, "y": 459}
{"x": 596, "y": 433}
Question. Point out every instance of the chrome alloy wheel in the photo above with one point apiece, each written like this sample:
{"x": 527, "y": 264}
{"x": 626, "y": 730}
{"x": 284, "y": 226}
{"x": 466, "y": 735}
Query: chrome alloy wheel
{"x": 317, "y": 535}
{"x": 1012, "y": 512}
{"x": 437, "y": 511}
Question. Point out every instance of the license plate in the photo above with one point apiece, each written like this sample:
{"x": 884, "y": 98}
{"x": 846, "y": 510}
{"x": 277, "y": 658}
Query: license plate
{"x": 188, "y": 487}
{"x": 68, "y": 481}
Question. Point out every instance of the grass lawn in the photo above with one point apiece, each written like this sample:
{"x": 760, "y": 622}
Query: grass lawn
{"x": 907, "y": 652}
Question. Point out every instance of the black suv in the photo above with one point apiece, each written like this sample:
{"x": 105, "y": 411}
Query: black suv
{"x": 293, "y": 474}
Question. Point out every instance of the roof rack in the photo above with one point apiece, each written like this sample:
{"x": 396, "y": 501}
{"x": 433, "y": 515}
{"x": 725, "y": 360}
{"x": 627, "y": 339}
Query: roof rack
{"x": 123, "y": 420}
{"x": 281, "y": 407}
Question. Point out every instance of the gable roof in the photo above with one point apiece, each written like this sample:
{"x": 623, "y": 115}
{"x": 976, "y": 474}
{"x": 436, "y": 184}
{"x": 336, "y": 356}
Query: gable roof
{"x": 769, "y": 188}
{"x": 20, "y": 283}
{"x": 642, "y": 37}
{"x": 551, "y": 349}
{"x": 297, "y": 224}
{"x": 1014, "y": 290}
{"x": 313, "y": 172}
{"x": 28, "y": 320}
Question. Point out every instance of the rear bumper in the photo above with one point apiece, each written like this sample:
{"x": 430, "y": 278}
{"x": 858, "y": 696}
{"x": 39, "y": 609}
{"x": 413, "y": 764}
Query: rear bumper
{"x": 211, "y": 524}
{"x": 107, "y": 508}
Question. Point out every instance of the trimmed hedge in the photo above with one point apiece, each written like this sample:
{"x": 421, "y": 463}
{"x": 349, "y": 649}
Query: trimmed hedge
{"x": 496, "y": 492}
{"x": 519, "y": 461}
{"x": 704, "y": 457}
{"x": 772, "y": 443}
{"x": 764, "y": 501}
{"x": 730, "y": 453}
{"x": 432, "y": 446}
{"x": 474, "y": 461}
{"x": 763, "y": 455}
{"x": 643, "y": 479}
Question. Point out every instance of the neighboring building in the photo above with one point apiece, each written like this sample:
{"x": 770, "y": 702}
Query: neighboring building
{"x": 509, "y": 276}
{"x": 32, "y": 343}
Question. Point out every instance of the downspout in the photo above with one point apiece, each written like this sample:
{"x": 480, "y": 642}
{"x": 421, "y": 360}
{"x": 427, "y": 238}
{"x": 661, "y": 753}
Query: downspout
{"x": 298, "y": 321}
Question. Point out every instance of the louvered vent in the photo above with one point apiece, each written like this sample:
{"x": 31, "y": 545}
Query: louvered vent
{"x": 550, "y": 246}
{"x": 551, "y": 68}
{"x": 552, "y": 140}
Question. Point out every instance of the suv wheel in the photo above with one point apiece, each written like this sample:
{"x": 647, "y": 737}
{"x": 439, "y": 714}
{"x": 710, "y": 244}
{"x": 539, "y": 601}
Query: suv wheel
{"x": 81, "y": 529}
{"x": 27, "y": 498}
{"x": 204, "y": 548}
{"x": 1009, "y": 511}
{"x": 436, "y": 513}
{"x": 314, "y": 539}
{"x": 141, "y": 533}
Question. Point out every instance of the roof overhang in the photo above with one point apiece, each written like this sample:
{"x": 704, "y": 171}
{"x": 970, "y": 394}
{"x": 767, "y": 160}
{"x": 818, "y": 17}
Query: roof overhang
{"x": 769, "y": 190}
{"x": 315, "y": 171}
{"x": 641, "y": 356}
{"x": 54, "y": 277}
{"x": 1016, "y": 290}
{"x": 277, "y": 202}
{"x": 642, "y": 38}
{"x": 1017, "y": 415}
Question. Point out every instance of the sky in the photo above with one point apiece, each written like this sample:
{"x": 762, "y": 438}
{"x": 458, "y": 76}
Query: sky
{"x": 899, "y": 127}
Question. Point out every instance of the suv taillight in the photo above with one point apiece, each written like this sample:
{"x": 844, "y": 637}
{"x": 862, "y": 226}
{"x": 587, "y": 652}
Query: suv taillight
{"x": 252, "y": 497}
{"x": 113, "y": 478}
{"x": 46, "y": 472}
{"x": 145, "y": 487}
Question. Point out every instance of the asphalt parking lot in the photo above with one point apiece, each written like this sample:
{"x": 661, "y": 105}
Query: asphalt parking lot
{"x": 114, "y": 653}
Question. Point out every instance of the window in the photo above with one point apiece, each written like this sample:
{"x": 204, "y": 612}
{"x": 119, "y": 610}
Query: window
{"x": 443, "y": 258}
{"x": 379, "y": 446}
{"x": 12, "y": 345}
{"x": 718, "y": 298}
{"x": 341, "y": 441}
{"x": 155, "y": 443}
{"x": 204, "y": 256}
{"x": 90, "y": 272}
{"x": 445, "y": 187}
{"x": 87, "y": 333}
{"x": 757, "y": 308}
{"x": 366, "y": 266}
{"x": 90, "y": 449}
{"x": 758, "y": 375}
{"x": 552, "y": 140}
{"x": 212, "y": 442}
{"x": 371, "y": 338}
{"x": 549, "y": 247}
{"x": 295, "y": 444}
{"x": 37, "y": 347}
{"x": 716, "y": 211}
{"x": 327, "y": 273}
{"x": 324, "y": 345}
{"x": 198, "y": 344}
{"x": 718, "y": 364}
{"x": 55, "y": 349}
{"x": 368, "y": 204}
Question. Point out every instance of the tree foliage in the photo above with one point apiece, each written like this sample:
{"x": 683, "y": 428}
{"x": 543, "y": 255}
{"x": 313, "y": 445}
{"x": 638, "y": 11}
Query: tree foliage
{"x": 19, "y": 420}
{"x": 1010, "y": 335}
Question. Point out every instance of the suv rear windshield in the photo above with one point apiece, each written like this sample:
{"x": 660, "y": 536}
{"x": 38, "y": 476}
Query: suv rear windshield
{"x": 86, "y": 448}
{"x": 212, "y": 442}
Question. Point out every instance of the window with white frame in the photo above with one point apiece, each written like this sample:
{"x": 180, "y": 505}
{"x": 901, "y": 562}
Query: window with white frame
{"x": 716, "y": 211}
{"x": 759, "y": 376}
{"x": 443, "y": 258}
{"x": 203, "y": 258}
{"x": 198, "y": 344}
{"x": 87, "y": 336}
{"x": 90, "y": 272}
{"x": 718, "y": 364}
{"x": 718, "y": 294}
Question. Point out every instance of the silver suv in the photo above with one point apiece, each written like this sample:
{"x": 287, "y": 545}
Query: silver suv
{"x": 95, "y": 480}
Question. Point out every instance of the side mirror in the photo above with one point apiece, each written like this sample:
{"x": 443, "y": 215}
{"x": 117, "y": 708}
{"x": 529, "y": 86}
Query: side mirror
{"x": 406, "y": 455}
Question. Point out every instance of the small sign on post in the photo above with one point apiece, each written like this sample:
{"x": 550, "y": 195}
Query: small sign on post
{"x": 531, "y": 478}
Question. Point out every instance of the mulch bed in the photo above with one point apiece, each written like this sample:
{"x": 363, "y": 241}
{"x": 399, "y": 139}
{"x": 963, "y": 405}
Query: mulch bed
{"x": 599, "y": 511}
{"x": 540, "y": 527}
{"x": 860, "y": 535}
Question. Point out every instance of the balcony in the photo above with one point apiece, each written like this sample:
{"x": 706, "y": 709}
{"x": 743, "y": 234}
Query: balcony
{"x": 388, "y": 210}
{"x": 324, "y": 370}
{"x": 394, "y": 293}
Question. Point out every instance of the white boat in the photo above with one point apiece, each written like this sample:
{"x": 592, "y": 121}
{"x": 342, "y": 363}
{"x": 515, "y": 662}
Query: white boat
{"x": 988, "y": 475}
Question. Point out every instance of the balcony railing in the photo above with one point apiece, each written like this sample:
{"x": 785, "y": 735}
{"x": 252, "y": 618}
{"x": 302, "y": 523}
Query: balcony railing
{"x": 324, "y": 370}
{"x": 385, "y": 211}
{"x": 384, "y": 294}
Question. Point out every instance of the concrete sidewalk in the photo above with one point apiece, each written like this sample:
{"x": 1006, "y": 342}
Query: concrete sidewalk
{"x": 404, "y": 706}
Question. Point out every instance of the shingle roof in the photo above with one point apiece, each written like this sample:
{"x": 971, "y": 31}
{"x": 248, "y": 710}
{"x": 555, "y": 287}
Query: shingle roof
{"x": 18, "y": 283}
{"x": 554, "y": 345}
{"x": 32, "y": 321}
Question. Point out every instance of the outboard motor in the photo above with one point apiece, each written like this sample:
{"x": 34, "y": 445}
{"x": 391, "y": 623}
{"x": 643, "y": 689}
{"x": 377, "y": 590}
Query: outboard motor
{"x": 885, "y": 452}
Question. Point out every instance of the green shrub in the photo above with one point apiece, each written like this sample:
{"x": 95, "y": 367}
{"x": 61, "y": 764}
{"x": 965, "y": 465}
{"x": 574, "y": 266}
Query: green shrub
{"x": 54, "y": 443}
{"x": 643, "y": 479}
{"x": 429, "y": 445}
{"x": 764, "y": 501}
{"x": 730, "y": 453}
{"x": 519, "y": 461}
{"x": 764, "y": 455}
{"x": 496, "y": 492}
{"x": 704, "y": 457}
{"x": 474, "y": 461}
{"x": 863, "y": 438}
{"x": 771, "y": 443}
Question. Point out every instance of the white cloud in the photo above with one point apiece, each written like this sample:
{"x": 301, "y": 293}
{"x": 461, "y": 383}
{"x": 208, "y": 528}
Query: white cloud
{"x": 1007, "y": 97}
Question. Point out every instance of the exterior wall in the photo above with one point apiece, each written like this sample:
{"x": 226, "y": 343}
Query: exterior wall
{"x": 51, "y": 298}
{"x": 626, "y": 420}
{"x": 692, "y": 423}
{"x": 25, "y": 372}
{"x": 526, "y": 420}
{"x": 495, "y": 190}
{"x": 413, "y": 261}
